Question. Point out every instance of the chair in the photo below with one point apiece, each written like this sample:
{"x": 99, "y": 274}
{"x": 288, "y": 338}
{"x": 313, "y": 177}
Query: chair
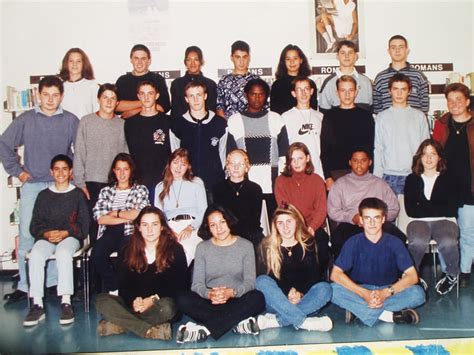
{"x": 264, "y": 222}
{"x": 80, "y": 258}
{"x": 433, "y": 249}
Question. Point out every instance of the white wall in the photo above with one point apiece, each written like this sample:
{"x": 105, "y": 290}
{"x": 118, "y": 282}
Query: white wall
{"x": 36, "y": 34}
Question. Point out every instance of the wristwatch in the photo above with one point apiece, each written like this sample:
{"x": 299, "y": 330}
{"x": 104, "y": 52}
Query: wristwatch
{"x": 155, "y": 298}
{"x": 391, "y": 290}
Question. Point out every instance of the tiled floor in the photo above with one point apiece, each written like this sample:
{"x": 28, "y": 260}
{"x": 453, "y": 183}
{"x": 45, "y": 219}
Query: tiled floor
{"x": 441, "y": 317}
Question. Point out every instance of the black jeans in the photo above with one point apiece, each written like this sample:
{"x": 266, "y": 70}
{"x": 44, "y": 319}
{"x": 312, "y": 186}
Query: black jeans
{"x": 218, "y": 319}
{"x": 94, "y": 190}
{"x": 113, "y": 240}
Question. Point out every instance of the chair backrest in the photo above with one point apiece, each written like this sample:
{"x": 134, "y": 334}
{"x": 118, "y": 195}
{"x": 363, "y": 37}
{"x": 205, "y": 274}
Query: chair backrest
{"x": 264, "y": 222}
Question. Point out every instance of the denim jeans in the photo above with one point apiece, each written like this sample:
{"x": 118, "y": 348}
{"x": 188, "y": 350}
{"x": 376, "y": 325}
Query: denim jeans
{"x": 466, "y": 240}
{"x": 288, "y": 313}
{"x": 396, "y": 183}
{"x": 410, "y": 297}
{"x": 63, "y": 251}
{"x": 29, "y": 191}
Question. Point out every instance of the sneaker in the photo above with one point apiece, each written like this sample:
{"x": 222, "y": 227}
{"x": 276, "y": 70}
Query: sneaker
{"x": 247, "y": 326}
{"x": 67, "y": 314}
{"x": 464, "y": 279}
{"x": 446, "y": 284}
{"x": 350, "y": 317}
{"x": 322, "y": 324}
{"x": 35, "y": 315}
{"x": 106, "y": 328}
{"x": 267, "y": 321}
{"x": 406, "y": 316}
{"x": 423, "y": 284}
{"x": 160, "y": 331}
{"x": 15, "y": 296}
{"x": 191, "y": 333}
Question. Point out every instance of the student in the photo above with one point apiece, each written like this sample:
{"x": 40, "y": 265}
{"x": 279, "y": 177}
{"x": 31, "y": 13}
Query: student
{"x": 100, "y": 138}
{"x": 366, "y": 274}
{"x": 223, "y": 294}
{"x": 455, "y": 132}
{"x": 118, "y": 205}
{"x": 45, "y": 131}
{"x": 230, "y": 88}
{"x": 193, "y": 60}
{"x": 292, "y": 63}
{"x": 80, "y": 88}
{"x": 59, "y": 225}
{"x": 344, "y": 129}
{"x": 149, "y": 137}
{"x": 347, "y": 193}
{"x": 290, "y": 276}
{"x": 346, "y": 54}
{"x": 182, "y": 197}
{"x": 241, "y": 196}
{"x": 152, "y": 272}
{"x": 129, "y": 105}
{"x": 429, "y": 202}
{"x": 304, "y": 123}
{"x": 262, "y": 134}
{"x": 418, "y": 97}
{"x": 399, "y": 130}
{"x": 204, "y": 135}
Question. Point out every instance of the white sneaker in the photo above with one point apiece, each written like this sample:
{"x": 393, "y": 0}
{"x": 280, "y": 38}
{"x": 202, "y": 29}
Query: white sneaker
{"x": 322, "y": 324}
{"x": 191, "y": 333}
{"x": 247, "y": 326}
{"x": 267, "y": 321}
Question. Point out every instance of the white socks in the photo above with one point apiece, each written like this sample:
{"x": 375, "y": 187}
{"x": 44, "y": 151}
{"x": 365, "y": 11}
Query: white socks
{"x": 386, "y": 316}
{"x": 38, "y": 301}
{"x": 267, "y": 320}
{"x": 66, "y": 299}
{"x": 322, "y": 324}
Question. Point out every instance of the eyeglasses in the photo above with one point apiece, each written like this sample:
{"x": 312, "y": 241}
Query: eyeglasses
{"x": 368, "y": 219}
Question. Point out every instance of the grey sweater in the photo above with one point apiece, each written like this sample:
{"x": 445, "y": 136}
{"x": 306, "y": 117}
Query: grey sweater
{"x": 98, "y": 141}
{"x": 224, "y": 266}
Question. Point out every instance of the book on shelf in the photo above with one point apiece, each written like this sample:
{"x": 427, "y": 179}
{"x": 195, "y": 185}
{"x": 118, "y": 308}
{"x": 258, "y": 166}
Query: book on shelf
{"x": 21, "y": 100}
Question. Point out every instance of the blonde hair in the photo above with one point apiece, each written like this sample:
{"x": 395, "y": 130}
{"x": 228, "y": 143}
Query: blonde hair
{"x": 271, "y": 245}
{"x": 244, "y": 154}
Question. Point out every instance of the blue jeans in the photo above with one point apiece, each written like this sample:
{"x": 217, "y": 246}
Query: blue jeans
{"x": 63, "y": 252}
{"x": 466, "y": 240}
{"x": 410, "y": 297}
{"x": 288, "y": 313}
{"x": 29, "y": 192}
{"x": 396, "y": 183}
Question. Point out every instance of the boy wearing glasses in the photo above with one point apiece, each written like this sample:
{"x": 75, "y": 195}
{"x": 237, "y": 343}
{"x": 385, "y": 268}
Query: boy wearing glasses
{"x": 366, "y": 275}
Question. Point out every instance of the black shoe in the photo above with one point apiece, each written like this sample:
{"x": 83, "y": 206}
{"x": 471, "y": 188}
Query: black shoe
{"x": 446, "y": 284}
{"x": 423, "y": 284}
{"x": 350, "y": 317}
{"x": 15, "y": 296}
{"x": 67, "y": 314}
{"x": 406, "y": 316}
{"x": 464, "y": 279}
{"x": 35, "y": 315}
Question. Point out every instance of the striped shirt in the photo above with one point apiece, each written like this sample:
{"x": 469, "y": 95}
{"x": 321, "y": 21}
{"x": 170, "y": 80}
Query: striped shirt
{"x": 419, "y": 93}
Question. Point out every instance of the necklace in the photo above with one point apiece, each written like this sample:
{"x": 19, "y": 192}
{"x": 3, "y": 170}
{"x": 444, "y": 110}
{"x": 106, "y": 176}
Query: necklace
{"x": 289, "y": 250}
{"x": 179, "y": 193}
{"x": 237, "y": 191}
{"x": 463, "y": 124}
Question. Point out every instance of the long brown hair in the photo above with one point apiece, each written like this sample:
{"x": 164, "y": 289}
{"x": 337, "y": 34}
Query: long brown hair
{"x": 168, "y": 178}
{"x": 288, "y": 171}
{"x": 134, "y": 253}
{"x": 128, "y": 159}
{"x": 417, "y": 165}
{"x": 87, "y": 71}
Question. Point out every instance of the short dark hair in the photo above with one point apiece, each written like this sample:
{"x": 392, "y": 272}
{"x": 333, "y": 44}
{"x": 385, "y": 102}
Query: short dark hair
{"x": 61, "y": 157}
{"x": 373, "y": 203}
{"x": 205, "y": 232}
{"x": 140, "y": 47}
{"x": 149, "y": 83}
{"x": 362, "y": 149}
{"x": 287, "y": 171}
{"x": 105, "y": 87}
{"x": 49, "y": 81}
{"x": 194, "y": 49}
{"x": 298, "y": 79}
{"x": 346, "y": 79}
{"x": 257, "y": 82}
{"x": 463, "y": 89}
{"x": 128, "y": 159}
{"x": 346, "y": 43}
{"x": 417, "y": 165}
{"x": 398, "y": 37}
{"x": 399, "y": 78}
{"x": 195, "y": 84}
{"x": 239, "y": 46}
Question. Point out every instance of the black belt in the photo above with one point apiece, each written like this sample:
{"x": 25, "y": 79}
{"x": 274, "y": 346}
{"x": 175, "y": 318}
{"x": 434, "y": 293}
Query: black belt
{"x": 182, "y": 217}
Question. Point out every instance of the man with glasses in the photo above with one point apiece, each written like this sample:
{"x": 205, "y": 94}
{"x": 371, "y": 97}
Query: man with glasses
{"x": 366, "y": 275}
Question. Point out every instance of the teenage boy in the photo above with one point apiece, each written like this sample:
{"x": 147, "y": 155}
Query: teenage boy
{"x": 304, "y": 123}
{"x": 45, "y": 131}
{"x": 230, "y": 89}
{"x": 100, "y": 138}
{"x": 193, "y": 60}
{"x": 399, "y": 130}
{"x": 59, "y": 225}
{"x": 344, "y": 129}
{"x": 418, "y": 98}
{"x": 347, "y": 193}
{"x": 347, "y": 56}
{"x": 148, "y": 138}
{"x": 205, "y": 137}
{"x": 128, "y": 105}
{"x": 366, "y": 275}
